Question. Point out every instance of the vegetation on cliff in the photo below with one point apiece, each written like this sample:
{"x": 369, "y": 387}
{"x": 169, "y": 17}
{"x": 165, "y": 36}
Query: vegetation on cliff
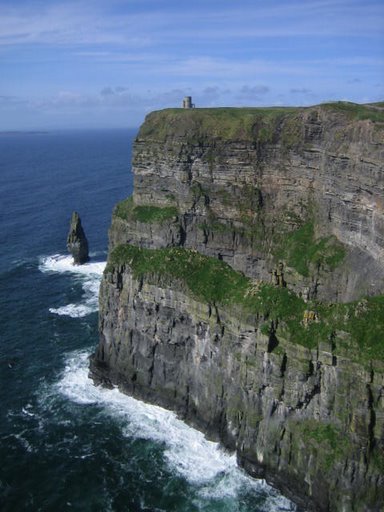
{"x": 261, "y": 124}
{"x": 294, "y": 240}
{"x": 301, "y": 249}
{"x": 326, "y": 441}
{"x": 128, "y": 211}
{"x": 374, "y": 112}
{"x": 197, "y": 125}
{"x": 356, "y": 328}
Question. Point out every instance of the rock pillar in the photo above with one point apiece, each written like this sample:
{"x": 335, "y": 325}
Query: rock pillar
{"x": 77, "y": 243}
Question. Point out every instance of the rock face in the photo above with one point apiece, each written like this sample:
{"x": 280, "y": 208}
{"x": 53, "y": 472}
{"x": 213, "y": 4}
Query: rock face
{"x": 243, "y": 291}
{"x": 77, "y": 243}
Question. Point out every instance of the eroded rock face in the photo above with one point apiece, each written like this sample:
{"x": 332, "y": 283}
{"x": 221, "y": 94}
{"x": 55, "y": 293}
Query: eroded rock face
{"x": 77, "y": 243}
{"x": 239, "y": 198}
{"x": 295, "y": 202}
{"x": 306, "y": 420}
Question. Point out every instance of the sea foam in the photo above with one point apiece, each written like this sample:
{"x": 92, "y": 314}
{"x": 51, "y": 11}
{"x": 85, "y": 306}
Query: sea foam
{"x": 200, "y": 461}
{"x": 89, "y": 274}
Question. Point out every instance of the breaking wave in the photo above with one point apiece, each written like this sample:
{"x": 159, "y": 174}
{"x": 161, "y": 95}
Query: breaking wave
{"x": 89, "y": 274}
{"x": 186, "y": 451}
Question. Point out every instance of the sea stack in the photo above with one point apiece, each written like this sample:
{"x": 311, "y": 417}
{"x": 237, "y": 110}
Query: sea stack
{"x": 77, "y": 243}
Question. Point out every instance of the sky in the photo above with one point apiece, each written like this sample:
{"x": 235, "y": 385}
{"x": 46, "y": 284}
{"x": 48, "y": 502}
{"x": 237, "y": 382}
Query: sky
{"x": 107, "y": 63}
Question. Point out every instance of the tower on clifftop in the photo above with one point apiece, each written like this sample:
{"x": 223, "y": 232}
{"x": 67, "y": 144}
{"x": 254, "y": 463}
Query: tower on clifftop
{"x": 187, "y": 102}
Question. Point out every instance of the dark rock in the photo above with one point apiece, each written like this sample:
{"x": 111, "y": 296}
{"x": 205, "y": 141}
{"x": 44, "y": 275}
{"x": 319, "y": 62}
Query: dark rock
{"x": 77, "y": 243}
{"x": 291, "y": 414}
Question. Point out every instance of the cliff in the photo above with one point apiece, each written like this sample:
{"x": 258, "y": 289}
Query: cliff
{"x": 243, "y": 289}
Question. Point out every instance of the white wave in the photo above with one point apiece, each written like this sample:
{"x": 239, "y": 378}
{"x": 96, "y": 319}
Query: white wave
{"x": 187, "y": 451}
{"x": 90, "y": 276}
{"x": 61, "y": 263}
{"x": 26, "y": 412}
{"x": 75, "y": 310}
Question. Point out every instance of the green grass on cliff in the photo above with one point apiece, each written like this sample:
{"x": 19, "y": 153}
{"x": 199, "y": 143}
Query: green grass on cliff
{"x": 126, "y": 210}
{"x": 198, "y": 125}
{"x": 324, "y": 438}
{"x": 302, "y": 250}
{"x": 209, "y": 279}
{"x": 265, "y": 125}
{"x": 364, "y": 321}
{"x": 356, "y": 111}
{"x": 356, "y": 328}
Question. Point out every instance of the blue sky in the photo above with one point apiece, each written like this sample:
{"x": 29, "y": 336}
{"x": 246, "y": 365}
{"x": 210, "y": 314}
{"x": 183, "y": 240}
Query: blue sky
{"x": 107, "y": 63}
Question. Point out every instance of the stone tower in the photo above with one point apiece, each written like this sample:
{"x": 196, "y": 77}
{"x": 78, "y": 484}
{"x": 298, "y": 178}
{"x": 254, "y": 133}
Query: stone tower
{"x": 187, "y": 102}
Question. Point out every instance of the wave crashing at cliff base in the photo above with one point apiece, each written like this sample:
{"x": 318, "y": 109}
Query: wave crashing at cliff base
{"x": 200, "y": 461}
{"x": 89, "y": 274}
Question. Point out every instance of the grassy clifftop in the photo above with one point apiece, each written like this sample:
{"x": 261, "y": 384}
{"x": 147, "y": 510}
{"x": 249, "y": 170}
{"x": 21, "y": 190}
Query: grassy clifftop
{"x": 221, "y": 123}
{"x": 247, "y": 124}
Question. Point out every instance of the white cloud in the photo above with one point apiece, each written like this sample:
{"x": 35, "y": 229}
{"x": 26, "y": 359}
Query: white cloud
{"x": 68, "y": 23}
{"x": 137, "y": 25}
{"x": 252, "y": 92}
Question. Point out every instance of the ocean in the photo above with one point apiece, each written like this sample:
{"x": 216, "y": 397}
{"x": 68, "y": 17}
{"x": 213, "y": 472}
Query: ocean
{"x": 65, "y": 444}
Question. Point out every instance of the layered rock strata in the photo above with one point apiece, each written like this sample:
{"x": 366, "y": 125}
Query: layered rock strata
{"x": 268, "y": 354}
{"x": 239, "y": 193}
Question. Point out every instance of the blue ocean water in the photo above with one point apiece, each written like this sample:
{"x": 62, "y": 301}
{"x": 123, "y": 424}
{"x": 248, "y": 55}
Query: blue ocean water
{"x": 64, "y": 443}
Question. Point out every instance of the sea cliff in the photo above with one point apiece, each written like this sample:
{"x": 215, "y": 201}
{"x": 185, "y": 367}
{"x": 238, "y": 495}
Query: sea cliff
{"x": 244, "y": 290}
